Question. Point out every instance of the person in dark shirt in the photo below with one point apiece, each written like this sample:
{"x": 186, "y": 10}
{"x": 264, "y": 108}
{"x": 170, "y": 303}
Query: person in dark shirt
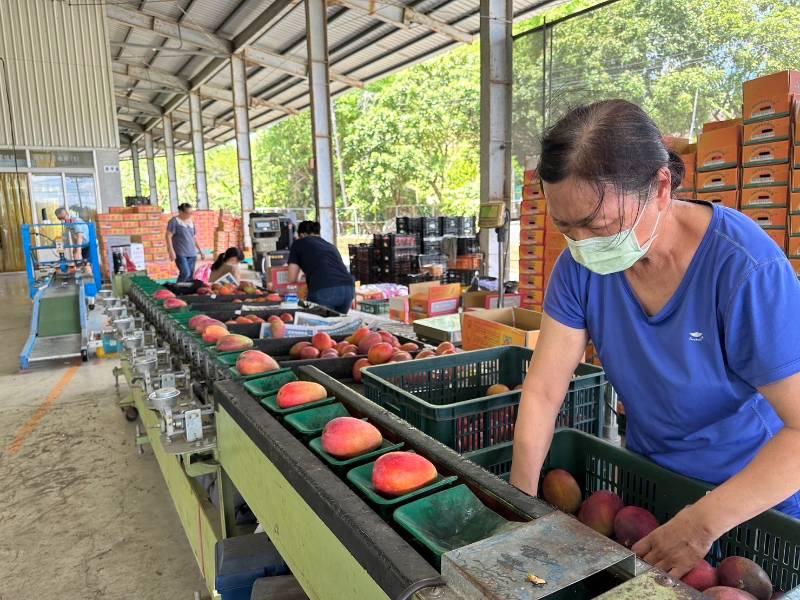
{"x": 329, "y": 282}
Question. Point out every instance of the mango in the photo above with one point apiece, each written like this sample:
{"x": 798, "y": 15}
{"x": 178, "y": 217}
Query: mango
{"x": 300, "y": 392}
{"x": 273, "y": 297}
{"x": 632, "y": 524}
{"x": 163, "y": 295}
{"x": 367, "y": 342}
{"x": 349, "y": 354}
{"x": 213, "y": 333}
{"x": 380, "y": 353}
{"x": 204, "y": 291}
{"x": 400, "y": 473}
{"x": 208, "y": 322}
{"x": 347, "y": 437}
{"x": 348, "y": 348}
{"x": 599, "y": 511}
{"x": 561, "y": 490}
{"x": 425, "y": 354}
{"x": 743, "y": 574}
{"x": 172, "y": 303}
{"x": 701, "y": 577}
{"x": 446, "y": 352}
{"x": 242, "y": 321}
{"x": 409, "y": 347}
{"x": 308, "y": 352}
{"x": 387, "y": 337}
{"x": 359, "y": 335}
{"x": 722, "y": 592}
{"x": 294, "y": 351}
{"x": 196, "y": 320}
{"x": 254, "y": 362}
{"x": 231, "y": 342}
{"x": 287, "y": 318}
{"x": 357, "y": 366}
{"x": 329, "y": 353}
{"x": 277, "y": 329}
{"x": 497, "y": 388}
{"x": 273, "y": 318}
{"x": 401, "y": 356}
{"x": 445, "y": 347}
{"x": 322, "y": 341}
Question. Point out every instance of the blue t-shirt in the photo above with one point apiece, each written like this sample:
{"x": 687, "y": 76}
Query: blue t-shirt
{"x": 182, "y": 237}
{"x": 79, "y": 226}
{"x": 688, "y": 375}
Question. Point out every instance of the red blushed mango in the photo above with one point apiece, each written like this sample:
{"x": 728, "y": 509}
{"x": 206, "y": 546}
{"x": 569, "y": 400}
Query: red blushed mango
{"x": 497, "y": 388}
{"x": 297, "y": 393}
{"x": 322, "y": 341}
{"x": 195, "y": 321}
{"x": 231, "y": 342}
{"x": 287, "y": 318}
{"x": 273, "y": 297}
{"x": 255, "y": 362}
{"x": 357, "y": 366}
{"x": 743, "y": 574}
{"x": 329, "y": 353}
{"x": 273, "y": 318}
{"x": 722, "y": 592}
{"x": 632, "y": 524}
{"x": 426, "y": 354}
{"x": 308, "y": 352}
{"x": 359, "y": 335}
{"x": 380, "y": 353}
{"x": 599, "y": 511}
{"x": 277, "y": 329}
{"x": 172, "y": 303}
{"x": 561, "y": 490}
{"x": 701, "y": 577}
{"x": 409, "y": 347}
{"x": 347, "y": 437}
{"x": 445, "y": 347}
{"x": 295, "y": 350}
{"x": 400, "y": 473}
{"x": 201, "y": 328}
{"x": 213, "y": 333}
{"x": 400, "y": 356}
{"x": 348, "y": 349}
{"x": 163, "y": 295}
{"x": 367, "y": 342}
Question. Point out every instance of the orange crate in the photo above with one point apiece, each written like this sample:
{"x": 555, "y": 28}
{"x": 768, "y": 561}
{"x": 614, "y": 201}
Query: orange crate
{"x": 472, "y": 261}
{"x": 533, "y": 207}
{"x": 796, "y": 179}
{"x": 794, "y": 225}
{"x": 531, "y": 281}
{"x": 768, "y": 217}
{"x": 772, "y": 130}
{"x": 532, "y": 192}
{"x": 779, "y": 237}
{"x": 530, "y": 176}
{"x": 531, "y": 236}
{"x": 718, "y": 181}
{"x": 794, "y": 247}
{"x": 768, "y": 196}
{"x": 795, "y": 262}
{"x": 533, "y": 221}
{"x": 529, "y": 297}
{"x": 531, "y": 267}
{"x": 729, "y": 198}
{"x": 531, "y": 251}
{"x": 766, "y": 176}
{"x": 794, "y": 203}
{"x": 772, "y": 153}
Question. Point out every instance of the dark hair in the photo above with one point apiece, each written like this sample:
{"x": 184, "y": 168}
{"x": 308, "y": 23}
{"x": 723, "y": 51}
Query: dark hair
{"x": 609, "y": 144}
{"x": 308, "y": 228}
{"x": 231, "y": 252}
{"x": 184, "y": 207}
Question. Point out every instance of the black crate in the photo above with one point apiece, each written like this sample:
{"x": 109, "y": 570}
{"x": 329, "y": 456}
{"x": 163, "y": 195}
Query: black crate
{"x": 430, "y": 226}
{"x": 431, "y": 245}
{"x": 449, "y": 225}
{"x": 466, "y": 226}
{"x": 460, "y": 276}
{"x": 467, "y": 245}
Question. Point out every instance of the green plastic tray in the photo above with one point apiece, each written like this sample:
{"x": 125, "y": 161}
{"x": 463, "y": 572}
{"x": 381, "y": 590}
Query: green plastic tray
{"x": 445, "y": 396}
{"x": 309, "y": 423}
{"x": 271, "y": 404}
{"x": 228, "y": 359}
{"x": 234, "y": 372}
{"x": 341, "y": 465}
{"x": 270, "y": 383}
{"x": 361, "y": 478}
{"x": 448, "y": 520}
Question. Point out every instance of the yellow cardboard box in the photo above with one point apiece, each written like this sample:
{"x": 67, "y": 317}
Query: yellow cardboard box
{"x": 500, "y": 327}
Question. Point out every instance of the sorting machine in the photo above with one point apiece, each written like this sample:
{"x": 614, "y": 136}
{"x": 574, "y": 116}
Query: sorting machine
{"x": 200, "y": 421}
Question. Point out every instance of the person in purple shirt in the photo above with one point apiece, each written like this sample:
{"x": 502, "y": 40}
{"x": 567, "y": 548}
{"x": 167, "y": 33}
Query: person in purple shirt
{"x": 695, "y": 313}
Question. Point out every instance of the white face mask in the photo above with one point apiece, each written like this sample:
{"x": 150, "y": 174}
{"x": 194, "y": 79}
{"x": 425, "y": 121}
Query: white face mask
{"x": 612, "y": 253}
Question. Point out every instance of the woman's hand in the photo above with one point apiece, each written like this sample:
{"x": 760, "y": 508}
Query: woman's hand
{"x": 678, "y": 545}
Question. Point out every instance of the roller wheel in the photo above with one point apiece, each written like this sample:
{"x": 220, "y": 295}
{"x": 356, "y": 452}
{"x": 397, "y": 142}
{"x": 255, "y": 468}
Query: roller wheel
{"x": 84, "y": 355}
{"x": 131, "y": 413}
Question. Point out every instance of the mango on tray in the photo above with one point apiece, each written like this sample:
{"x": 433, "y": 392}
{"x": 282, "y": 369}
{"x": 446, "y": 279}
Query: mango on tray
{"x": 339, "y": 465}
{"x": 309, "y": 423}
{"x": 270, "y": 383}
{"x": 271, "y": 404}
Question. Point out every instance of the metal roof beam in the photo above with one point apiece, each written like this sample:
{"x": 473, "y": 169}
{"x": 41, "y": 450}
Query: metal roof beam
{"x": 141, "y": 106}
{"x": 140, "y": 73}
{"x": 169, "y": 49}
{"x": 404, "y": 17}
{"x": 187, "y": 34}
{"x": 291, "y": 65}
{"x": 221, "y": 95}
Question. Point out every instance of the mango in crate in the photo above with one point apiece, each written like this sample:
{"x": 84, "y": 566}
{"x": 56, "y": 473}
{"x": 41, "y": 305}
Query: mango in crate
{"x": 600, "y": 510}
{"x": 561, "y": 490}
{"x": 742, "y": 573}
{"x": 632, "y": 524}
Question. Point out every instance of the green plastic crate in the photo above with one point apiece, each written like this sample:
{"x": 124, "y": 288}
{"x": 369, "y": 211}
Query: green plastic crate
{"x": 342, "y": 465}
{"x": 309, "y": 423}
{"x": 450, "y": 519}
{"x": 771, "y": 539}
{"x": 270, "y": 402}
{"x": 374, "y": 307}
{"x": 361, "y": 478}
{"x": 446, "y": 396}
{"x": 495, "y": 459}
{"x": 269, "y": 384}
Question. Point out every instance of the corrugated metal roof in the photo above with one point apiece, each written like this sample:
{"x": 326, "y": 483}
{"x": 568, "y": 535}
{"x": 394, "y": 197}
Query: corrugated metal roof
{"x": 360, "y": 46}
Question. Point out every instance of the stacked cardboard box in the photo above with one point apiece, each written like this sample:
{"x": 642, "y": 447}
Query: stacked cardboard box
{"x": 718, "y": 161}
{"x": 687, "y": 189}
{"x": 141, "y": 223}
{"x": 793, "y": 249}
{"x": 228, "y": 233}
{"x": 767, "y": 153}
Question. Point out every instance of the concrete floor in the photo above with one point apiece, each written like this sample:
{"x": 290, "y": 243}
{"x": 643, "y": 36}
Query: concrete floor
{"x": 82, "y": 515}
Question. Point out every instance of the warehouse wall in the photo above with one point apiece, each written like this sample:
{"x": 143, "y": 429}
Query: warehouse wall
{"x": 59, "y": 74}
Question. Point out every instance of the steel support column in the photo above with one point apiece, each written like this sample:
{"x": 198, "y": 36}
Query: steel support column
{"x": 242, "y": 124}
{"x": 496, "y": 17}
{"x": 172, "y": 174}
{"x": 150, "y": 156}
{"x": 196, "y": 122}
{"x": 137, "y": 175}
{"x": 320, "y": 94}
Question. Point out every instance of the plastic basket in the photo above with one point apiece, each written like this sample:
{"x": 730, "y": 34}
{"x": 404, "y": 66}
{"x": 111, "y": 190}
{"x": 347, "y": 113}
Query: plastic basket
{"x": 309, "y": 423}
{"x": 270, "y": 402}
{"x": 344, "y": 464}
{"x": 374, "y": 307}
{"x": 771, "y": 539}
{"x": 445, "y": 397}
{"x": 270, "y": 383}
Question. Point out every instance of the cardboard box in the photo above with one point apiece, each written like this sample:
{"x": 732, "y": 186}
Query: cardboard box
{"x": 715, "y": 125}
{"x": 434, "y": 299}
{"x": 769, "y": 97}
{"x": 530, "y": 176}
{"x": 398, "y": 309}
{"x": 531, "y": 236}
{"x": 718, "y": 181}
{"x": 529, "y": 251}
{"x": 686, "y": 194}
{"x": 689, "y": 178}
{"x": 534, "y": 298}
{"x": 766, "y": 176}
{"x": 533, "y": 207}
{"x": 483, "y": 300}
{"x": 794, "y": 225}
{"x": 766, "y": 196}
{"x": 729, "y": 198}
{"x": 795, "y": 265}
{"x": 719, "y": 148}
{"x": 794, "y": 247}
{"x": 500, "y": 327}
{"x": 771, "y": 130}
{"x": 772, "y": 153}
{"x": 795, "y": 180}
{"x": 531, "y": 280}
{"x": 537, "y": 221}
{"x": 779, "y": 237}
{"x": 532, "y": 267}
{"x": 768, "y": 217}
{"x": 532, "y": 192}
{"x": 794, "y": 202}
{"x": 677, "y": 144}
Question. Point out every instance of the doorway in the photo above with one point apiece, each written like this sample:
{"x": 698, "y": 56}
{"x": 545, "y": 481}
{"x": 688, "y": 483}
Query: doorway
{"x": 15, "y": 209}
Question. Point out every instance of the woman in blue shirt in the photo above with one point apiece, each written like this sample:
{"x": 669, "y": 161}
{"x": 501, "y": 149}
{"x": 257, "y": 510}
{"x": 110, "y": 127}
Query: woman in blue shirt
{"x": 694, "y": 312}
